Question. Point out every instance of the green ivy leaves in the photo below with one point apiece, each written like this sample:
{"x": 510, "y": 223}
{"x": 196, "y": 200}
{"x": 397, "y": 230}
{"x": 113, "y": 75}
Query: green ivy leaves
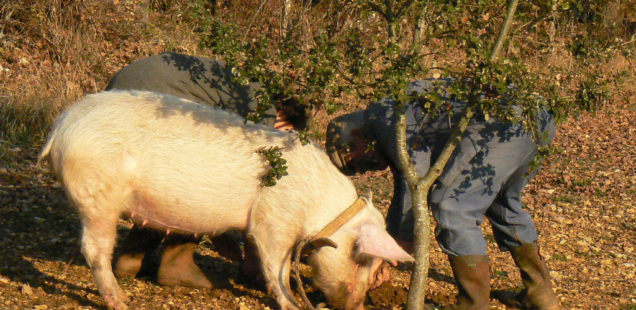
{"x": 277, "y": 164}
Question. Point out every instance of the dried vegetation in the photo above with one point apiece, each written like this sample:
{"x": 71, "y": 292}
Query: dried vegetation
{"x": 52, "y": 52}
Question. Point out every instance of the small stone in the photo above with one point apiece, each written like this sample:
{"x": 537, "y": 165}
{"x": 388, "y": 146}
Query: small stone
{"x": 26, "y": 289}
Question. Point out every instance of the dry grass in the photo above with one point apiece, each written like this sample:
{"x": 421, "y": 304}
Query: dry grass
{"x": 53, "y": 52}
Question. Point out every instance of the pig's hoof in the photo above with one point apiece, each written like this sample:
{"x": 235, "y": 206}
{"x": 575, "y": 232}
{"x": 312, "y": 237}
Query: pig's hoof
{"x": 115, "y": 303}
{"x": 123, "y": 297}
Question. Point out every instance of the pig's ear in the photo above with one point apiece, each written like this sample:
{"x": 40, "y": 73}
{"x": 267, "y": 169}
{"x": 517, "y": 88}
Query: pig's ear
{"x": 375, "y": 241}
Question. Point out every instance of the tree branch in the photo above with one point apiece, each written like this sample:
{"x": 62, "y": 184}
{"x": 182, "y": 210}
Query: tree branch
{"x": 406, "y": 166}
{"x": 504, "y": 30}
{"x": 455, "y": 137}
{"x": 419, "y": 28}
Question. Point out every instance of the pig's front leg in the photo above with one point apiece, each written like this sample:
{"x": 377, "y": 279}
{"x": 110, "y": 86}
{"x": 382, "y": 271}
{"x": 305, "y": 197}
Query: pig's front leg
{"x": 275, "y": 254}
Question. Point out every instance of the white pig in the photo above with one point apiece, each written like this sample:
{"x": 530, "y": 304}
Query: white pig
{"x": 176, "y": 165}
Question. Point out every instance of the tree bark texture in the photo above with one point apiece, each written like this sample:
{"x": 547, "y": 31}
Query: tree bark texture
{"x": 419, "y": 196}
{"x": 503, "y": 34}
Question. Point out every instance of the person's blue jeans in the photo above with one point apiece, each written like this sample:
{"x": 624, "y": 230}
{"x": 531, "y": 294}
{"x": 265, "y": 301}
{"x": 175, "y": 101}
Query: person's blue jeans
{"x": 489, "y": 185}
{"x": 482, "y": 179}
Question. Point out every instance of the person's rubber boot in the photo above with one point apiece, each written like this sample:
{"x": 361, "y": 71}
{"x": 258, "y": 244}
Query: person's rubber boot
{"x": 177, "y": 266}
{"x": 538, "y": 293}
{"x": 137, "y": 254}
{"x": 472, "y": 276}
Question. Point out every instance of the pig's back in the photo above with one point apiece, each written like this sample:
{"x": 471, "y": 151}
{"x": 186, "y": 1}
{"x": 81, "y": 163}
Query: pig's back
{"x": 174, "y": 162}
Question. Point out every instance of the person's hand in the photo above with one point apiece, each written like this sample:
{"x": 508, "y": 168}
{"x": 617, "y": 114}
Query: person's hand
{"x": 282, "y": 123}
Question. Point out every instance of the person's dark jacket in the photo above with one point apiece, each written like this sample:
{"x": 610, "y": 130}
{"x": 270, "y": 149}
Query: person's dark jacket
{"x": 199, "y": 79}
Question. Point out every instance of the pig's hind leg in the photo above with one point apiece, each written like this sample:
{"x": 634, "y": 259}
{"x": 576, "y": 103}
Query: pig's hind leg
{"x": 99, "y": 232}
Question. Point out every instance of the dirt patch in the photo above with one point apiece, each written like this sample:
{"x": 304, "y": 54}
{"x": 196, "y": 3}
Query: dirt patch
{"x": 387, "y": 296}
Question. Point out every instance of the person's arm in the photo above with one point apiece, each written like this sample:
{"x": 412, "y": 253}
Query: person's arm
{"x": 282, "y": 123}
{"x": 400, "y": 205}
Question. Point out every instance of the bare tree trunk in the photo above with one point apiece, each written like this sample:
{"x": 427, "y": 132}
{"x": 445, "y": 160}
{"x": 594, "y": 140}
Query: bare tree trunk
{"x": 420, "y": 186}
{"x": 552, "y": 25}
{"x": 287, "y": 7}
{"x": 417, "y": 290}
{"x": 418, "y": 33}
{"x": 503, "y": 34}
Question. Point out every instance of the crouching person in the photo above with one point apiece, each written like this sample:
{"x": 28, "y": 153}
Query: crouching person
{"x": 208, "y": 81}
{"x": 484, "y": 177}
{"x": 181, "y": 167}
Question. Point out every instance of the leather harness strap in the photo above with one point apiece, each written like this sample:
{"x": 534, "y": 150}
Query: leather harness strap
{"x": 322, "y": 239}
{"x": 346, "y": 215}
